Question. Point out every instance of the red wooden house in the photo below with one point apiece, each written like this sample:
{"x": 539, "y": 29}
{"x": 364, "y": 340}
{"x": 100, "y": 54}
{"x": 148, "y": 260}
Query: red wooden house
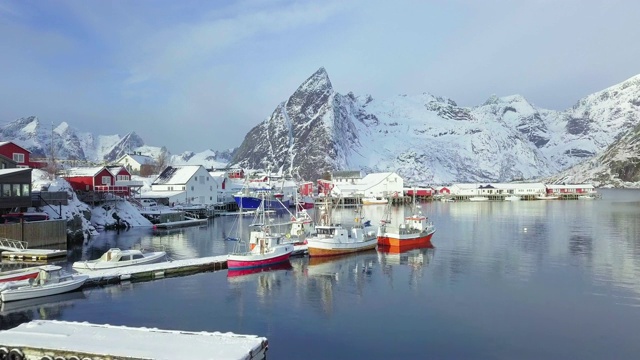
{"x": 90, "y": 178}
{"x": 419, "y": 191}
{"x": 324, "y": 186}
{"x": 443, "y": 190}
{"x": 20, "y": 155}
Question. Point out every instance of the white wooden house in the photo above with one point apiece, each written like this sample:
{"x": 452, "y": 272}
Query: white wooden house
{"x": 578, "y": 189}
{"x": 184, "y": 184}
{"x": 386, "y": 184}
{"x": 135, "y": 162}
{"x": 487, "y": 189}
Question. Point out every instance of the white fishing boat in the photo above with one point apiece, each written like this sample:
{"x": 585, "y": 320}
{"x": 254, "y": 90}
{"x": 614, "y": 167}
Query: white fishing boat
{"x": 333, "y": 239}
{"x": 478, "y": 198}
{"x": 374, "y": 201}
{"x": 512, "y": 198}
{"x": 115, "y": 258}
{"x": 586, "y": 197}
{"x": 547, "y": 197}
{"x": 51, "y": 280}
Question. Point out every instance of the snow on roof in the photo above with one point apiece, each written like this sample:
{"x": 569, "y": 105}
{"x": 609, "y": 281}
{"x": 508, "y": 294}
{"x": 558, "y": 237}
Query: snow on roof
{"x": 376, "y": 178}
{"x": 115, "y": 169}
{"x": 570, "y": 186}
{"x": 82, "y": 171}
{"x": 177, "y": 174}
{"x": 132, "y": 342}
{"x": 12, "y": 170}
{"x": 140, "y": 159}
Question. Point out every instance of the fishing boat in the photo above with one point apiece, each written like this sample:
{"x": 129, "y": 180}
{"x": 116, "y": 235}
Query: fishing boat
{"x": 334, "y": 239}
{"x": 115, "y": 258}
{"x": 414, "y": 230}
{"x": 374, "y": 201}
{"x": 586, "y": 197}
{"x": 547, "y": 197}
{"x": 269, "y": 249}
{"x": 51, "y": 280}
{"x": 19, "y": 274}
{"x": 478, "y": 198}
{"x": 512, "y": 198}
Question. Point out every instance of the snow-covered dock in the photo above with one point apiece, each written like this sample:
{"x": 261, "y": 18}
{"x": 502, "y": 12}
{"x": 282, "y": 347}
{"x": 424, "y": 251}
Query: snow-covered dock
{"x": 32, "y": 254}
{"x": 180, "y": 224}
{"x": 157, "y": 270}
{"x": 45, "y": 339}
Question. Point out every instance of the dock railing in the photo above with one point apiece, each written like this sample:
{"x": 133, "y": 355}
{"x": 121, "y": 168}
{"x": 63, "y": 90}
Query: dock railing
{"x": 11, "y": 244}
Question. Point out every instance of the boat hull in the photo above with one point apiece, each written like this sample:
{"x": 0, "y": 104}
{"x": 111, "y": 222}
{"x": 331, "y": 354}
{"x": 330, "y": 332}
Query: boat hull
{"x": 324, "y": 249}
{"x": 88, "y": 266}
{"x": 253, "y": 203}
{"x": 408, "y": 240}
{"x": 30, "y": 292}
{"x": 253, "y": 260}
{"x": 20, "y": 274}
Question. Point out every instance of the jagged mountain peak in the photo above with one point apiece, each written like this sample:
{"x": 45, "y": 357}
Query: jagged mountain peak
{"x": 317, "y": 83}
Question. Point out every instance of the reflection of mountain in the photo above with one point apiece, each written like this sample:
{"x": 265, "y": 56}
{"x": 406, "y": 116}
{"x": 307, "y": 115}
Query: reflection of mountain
{"x": 15, "y": 313}
{"x": 415, "y": 259}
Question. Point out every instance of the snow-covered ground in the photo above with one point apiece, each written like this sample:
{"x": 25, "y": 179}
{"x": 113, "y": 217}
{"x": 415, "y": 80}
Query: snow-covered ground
{"x": 90, "y": 218}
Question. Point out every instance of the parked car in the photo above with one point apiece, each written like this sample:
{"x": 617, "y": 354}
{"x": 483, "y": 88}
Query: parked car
{"x": 148, "y": 202}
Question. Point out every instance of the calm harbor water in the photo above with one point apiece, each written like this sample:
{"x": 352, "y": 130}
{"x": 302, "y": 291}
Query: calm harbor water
{"x": 525, "y": 280}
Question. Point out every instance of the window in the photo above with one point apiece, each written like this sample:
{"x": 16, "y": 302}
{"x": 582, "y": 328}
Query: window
{"x": 19, "y": 158}
{"x": 6, "y": 190}
{"x": 122, "y": 177}
{"x": 15, "y": 189}
{"x": 191, "y": 188}
{"x": 25, "y": 190}
{"x": 106, "y": 180}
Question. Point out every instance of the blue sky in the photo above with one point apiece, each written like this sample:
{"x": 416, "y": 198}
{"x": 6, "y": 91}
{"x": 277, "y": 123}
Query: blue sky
{"x": 193, "y": 75}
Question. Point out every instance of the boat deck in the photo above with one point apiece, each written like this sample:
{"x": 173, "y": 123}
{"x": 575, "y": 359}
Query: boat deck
{"x": 40, "y": 339}
{"x": 180, "y": 224}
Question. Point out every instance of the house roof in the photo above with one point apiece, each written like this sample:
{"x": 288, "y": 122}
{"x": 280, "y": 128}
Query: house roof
{"x": 83, "y": 171}
{"x": 176, "y": 174}
{"x": 3, "y": 143}
{"x": 376, "y": 178}
{"x": 4, "y": 172}
{"x": 140, "y": 159}
{"x": 115, "y": 169}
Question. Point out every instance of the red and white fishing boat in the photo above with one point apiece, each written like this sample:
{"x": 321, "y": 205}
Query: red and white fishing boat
{"x": 269, "y": 251}
{"x": 19, "y": 274}
{"x": 414, "y": 230}
{"x": 266, "y": 249}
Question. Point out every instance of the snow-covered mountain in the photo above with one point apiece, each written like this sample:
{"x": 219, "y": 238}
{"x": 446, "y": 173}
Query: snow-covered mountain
{"x": 430, "y": 139}
{"x": 427, "y": 139}
{"x": 71, "y": 144}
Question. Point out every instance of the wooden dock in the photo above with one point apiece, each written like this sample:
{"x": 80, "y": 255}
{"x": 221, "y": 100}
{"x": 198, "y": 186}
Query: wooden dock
{"x": 156, "y": 270}
{"x": 180, "y": 224}
{"x": 46, "y": 339}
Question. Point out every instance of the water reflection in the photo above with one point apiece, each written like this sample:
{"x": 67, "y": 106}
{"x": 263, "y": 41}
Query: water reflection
{"x": 416, "y": 259}
{"x": 14, "y": 313}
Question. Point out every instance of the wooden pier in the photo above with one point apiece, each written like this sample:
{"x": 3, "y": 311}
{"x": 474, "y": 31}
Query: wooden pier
{"x": 180, "y": 224}
{"x": 156, "y": 270}
{"x": 18, "y": 250}
{"x": 46, "y": 339}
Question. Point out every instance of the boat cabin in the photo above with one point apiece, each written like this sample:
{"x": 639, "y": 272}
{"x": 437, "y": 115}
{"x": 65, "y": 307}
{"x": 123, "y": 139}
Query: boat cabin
{"x": 49, "y": 274}
{"x": 115, "y": 255}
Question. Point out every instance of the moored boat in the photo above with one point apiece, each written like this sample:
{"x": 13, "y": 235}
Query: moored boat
{"x": 374, "y": 201}
{"x": 266, "y": 249}
{"x": 547, "y": 197}
{"x": 115, "y": 258}
{"x": 51, "y": 280}
{"x": 512, "y": 198}
{"x": 333, "y": 239}
{"x": 478, "y": 198}
{"x": 414, "y": 230}
{"x": 19, "y": 274}
{"x": 586, "y": 197}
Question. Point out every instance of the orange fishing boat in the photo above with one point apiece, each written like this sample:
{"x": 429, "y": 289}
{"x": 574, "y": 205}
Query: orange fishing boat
{"x": 414, "y": 230}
